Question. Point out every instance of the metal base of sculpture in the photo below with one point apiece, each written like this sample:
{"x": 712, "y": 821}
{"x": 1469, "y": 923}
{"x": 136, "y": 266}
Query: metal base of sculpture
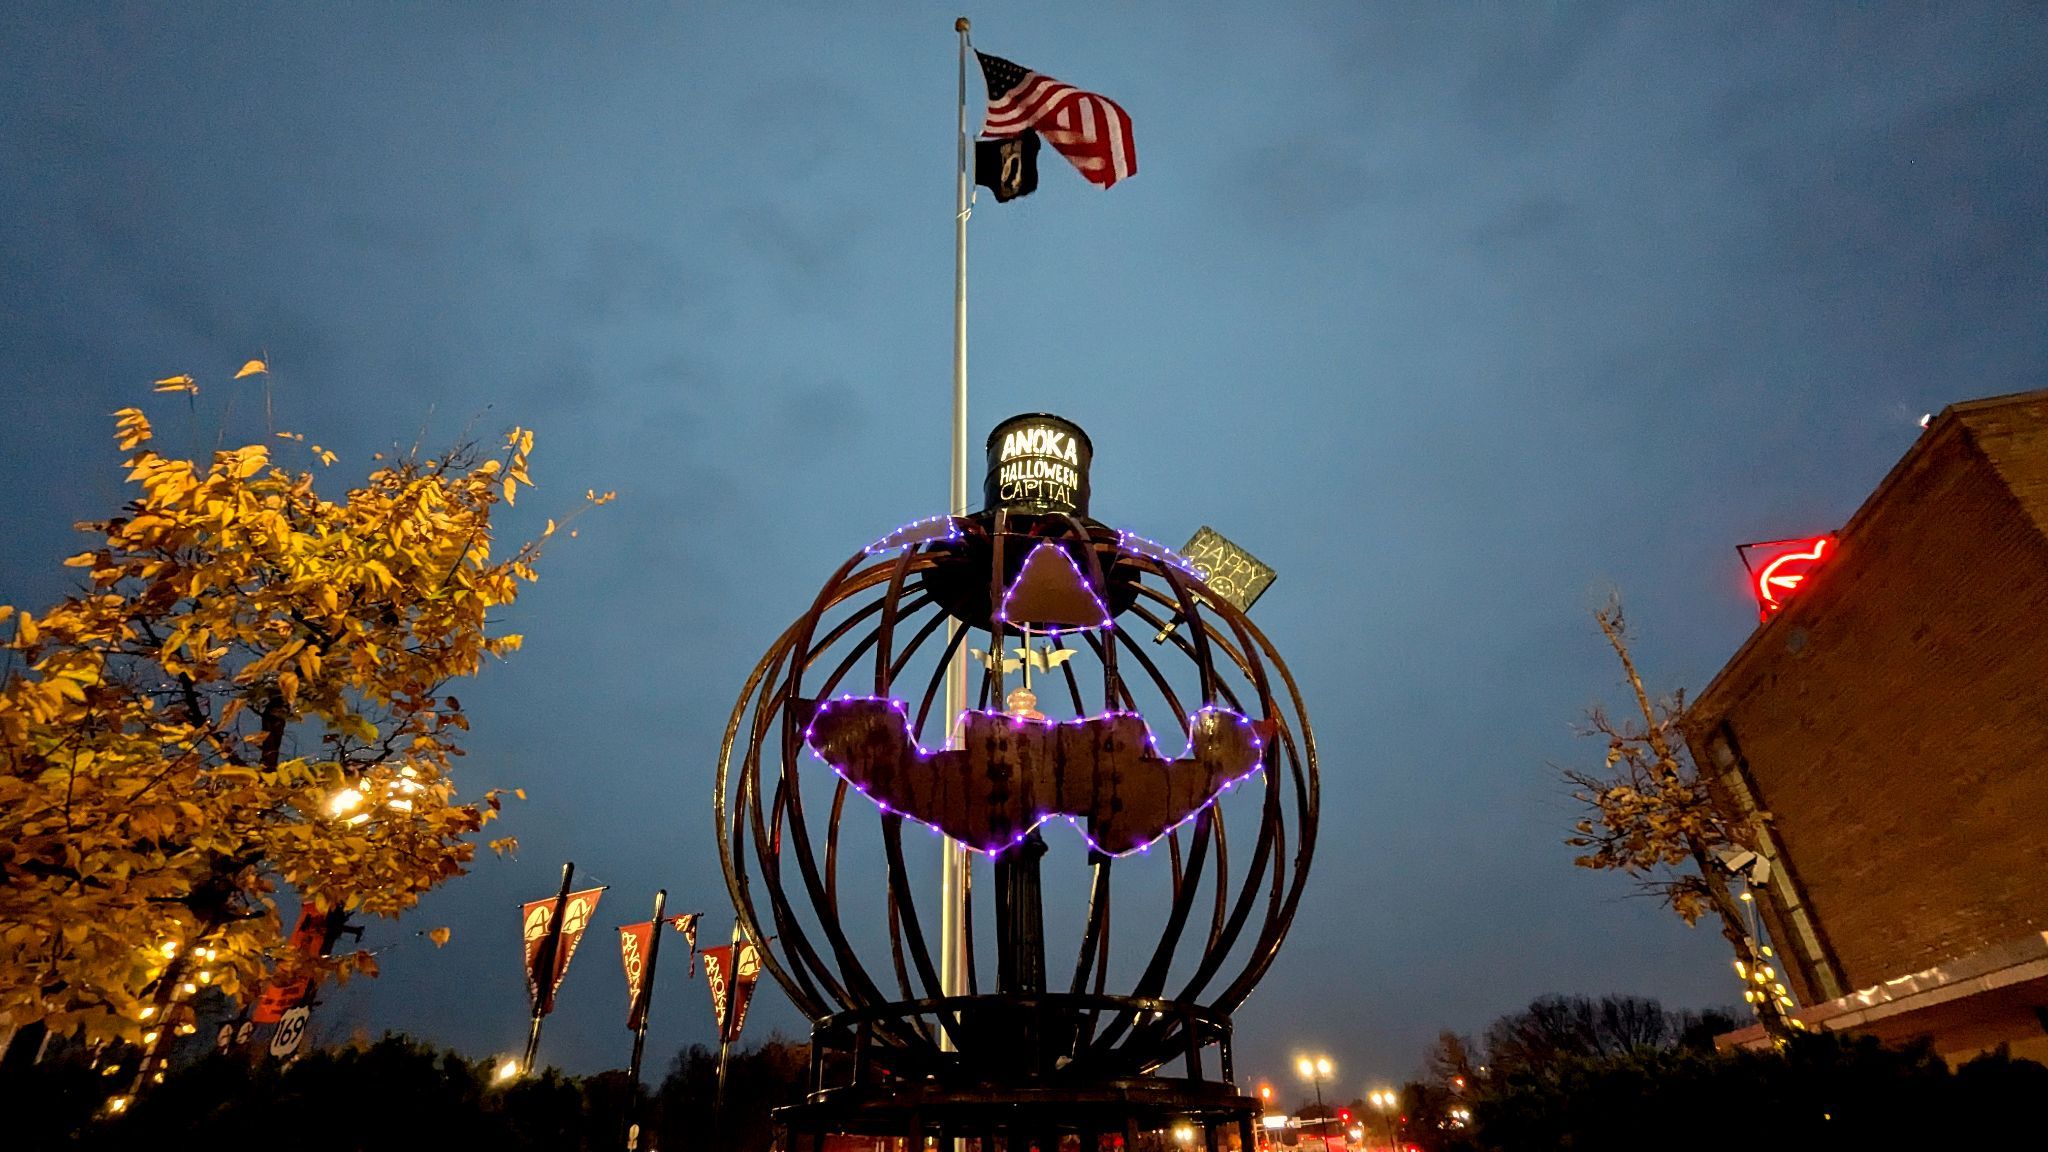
{"x": 1015, "y": 1081}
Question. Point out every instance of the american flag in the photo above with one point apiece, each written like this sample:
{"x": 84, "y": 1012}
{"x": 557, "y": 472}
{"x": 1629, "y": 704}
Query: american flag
{"x": 1091, "y": 131}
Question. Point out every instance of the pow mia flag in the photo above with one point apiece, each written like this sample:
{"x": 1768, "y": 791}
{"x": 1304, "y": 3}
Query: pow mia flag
{"x": 1008, "y": 168}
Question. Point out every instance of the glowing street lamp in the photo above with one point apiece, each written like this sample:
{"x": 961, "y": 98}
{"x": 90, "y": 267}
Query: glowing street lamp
{"x": 1386, "y": 1101}
{"x": 1315, "y": 1070}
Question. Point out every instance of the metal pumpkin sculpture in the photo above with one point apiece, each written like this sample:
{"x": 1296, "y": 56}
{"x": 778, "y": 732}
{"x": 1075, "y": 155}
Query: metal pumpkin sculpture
{"x": 839, "y": 749}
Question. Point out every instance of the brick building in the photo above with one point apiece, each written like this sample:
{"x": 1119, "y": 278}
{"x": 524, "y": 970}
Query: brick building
{"x": 1892, "y": 722}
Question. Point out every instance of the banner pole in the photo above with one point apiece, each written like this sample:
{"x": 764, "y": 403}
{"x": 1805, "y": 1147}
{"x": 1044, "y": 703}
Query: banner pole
{"x": 544, "y": 969}
{"x": 725, "y": 1028}
{"x": 954, "y": 863}
{"x": 718, "y": 1100}
{"x": 645, "y": 993}
{"x": 643, "y": 1002}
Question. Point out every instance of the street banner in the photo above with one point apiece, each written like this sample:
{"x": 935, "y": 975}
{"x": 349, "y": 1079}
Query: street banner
{"x": 635, "y": 942}
{"x": 732, "y": 985}
{"x": 687, "y": 925}
{"x": 538, "y": 917}
{"x": 636, "y": 948}
{"x": 284, "y": 993}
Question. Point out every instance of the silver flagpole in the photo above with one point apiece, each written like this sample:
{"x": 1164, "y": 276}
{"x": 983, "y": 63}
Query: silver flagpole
{"x": 954, "y": 875}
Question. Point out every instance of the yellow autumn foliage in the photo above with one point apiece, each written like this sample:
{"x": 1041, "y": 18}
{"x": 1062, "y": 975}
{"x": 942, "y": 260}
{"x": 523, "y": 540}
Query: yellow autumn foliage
{"x": 251, "y": 694}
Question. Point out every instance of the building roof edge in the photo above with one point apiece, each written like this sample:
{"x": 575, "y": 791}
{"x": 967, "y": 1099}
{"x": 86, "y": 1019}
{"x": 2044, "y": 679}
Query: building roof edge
{"x": 1946, "y": 424}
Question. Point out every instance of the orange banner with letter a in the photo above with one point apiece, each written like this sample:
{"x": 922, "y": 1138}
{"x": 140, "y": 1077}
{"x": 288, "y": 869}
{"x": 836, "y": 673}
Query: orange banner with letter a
{"x": 537, "y": 918}
{"x": 731, "y": 970}
{"x": 636, "y": 941}
{"x": 636, "y": 952}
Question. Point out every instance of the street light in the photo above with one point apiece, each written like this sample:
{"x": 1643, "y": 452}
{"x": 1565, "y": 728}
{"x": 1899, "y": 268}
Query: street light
{"x": 1385, "y": 1101}
{"x": 1315, "y": 1070}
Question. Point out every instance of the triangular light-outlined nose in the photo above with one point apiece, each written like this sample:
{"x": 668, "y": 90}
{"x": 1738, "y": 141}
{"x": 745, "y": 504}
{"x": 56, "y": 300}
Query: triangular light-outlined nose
{"x": 1051, "y": 593}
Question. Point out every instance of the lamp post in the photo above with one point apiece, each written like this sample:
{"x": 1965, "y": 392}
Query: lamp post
{"x": 1315, "y": 1070}
{"x": 1386, "y": 1101}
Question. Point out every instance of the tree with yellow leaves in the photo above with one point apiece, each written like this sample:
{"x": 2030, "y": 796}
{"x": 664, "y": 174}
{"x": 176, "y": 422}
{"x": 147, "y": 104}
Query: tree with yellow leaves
{"x": 1650, "y": 815}
{"x": 249, "y": 693}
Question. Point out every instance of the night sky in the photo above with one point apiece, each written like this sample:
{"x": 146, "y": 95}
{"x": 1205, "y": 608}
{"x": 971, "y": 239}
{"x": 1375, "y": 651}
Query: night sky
{"x": 1457, "y": 315}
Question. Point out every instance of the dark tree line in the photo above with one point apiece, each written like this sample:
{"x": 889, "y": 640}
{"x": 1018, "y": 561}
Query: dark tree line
{"x": 756, "y": 1080}
{"x": 1553, "y": 1028}
{"x": 1622, "y": 1073}
{"x": 394, "y": 1094}
{"x": 1616, "y": 1073}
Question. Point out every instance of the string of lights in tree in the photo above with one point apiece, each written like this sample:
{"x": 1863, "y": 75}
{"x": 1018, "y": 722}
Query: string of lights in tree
{"x": 1761, "y": 987}
{"x": 166, "y": 965}
{"x": 169, "y": 1012}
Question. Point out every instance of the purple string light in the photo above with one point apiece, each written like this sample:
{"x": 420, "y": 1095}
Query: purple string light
{"x": 1132, "y": 542}
{"x": 918, "y": 532}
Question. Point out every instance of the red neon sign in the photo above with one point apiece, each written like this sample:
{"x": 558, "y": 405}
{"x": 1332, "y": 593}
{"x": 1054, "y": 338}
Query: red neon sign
{"x": 1784, "y": 571}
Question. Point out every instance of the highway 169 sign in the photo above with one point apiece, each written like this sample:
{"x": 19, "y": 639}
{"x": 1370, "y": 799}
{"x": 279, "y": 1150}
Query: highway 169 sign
{"x": 291, "y": 1032}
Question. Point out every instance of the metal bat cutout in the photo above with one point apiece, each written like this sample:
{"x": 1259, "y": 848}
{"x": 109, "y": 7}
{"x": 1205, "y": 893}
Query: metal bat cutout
{"x": 992, "y": 662}
{"x": 1011, "y": 774}
{"x": 1042, "y": 659}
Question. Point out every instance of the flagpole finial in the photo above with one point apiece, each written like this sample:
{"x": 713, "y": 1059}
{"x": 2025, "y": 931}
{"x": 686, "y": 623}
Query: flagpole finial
{"x": 960, "y": 25}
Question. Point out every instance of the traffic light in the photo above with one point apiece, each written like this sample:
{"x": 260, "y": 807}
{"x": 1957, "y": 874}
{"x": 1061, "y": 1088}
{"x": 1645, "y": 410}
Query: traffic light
{"x": 1344, "y": 1114}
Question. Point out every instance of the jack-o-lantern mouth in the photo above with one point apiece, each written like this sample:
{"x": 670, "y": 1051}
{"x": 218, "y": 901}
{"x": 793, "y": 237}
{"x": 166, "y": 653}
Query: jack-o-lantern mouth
{"x": 1012, "y": 773}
